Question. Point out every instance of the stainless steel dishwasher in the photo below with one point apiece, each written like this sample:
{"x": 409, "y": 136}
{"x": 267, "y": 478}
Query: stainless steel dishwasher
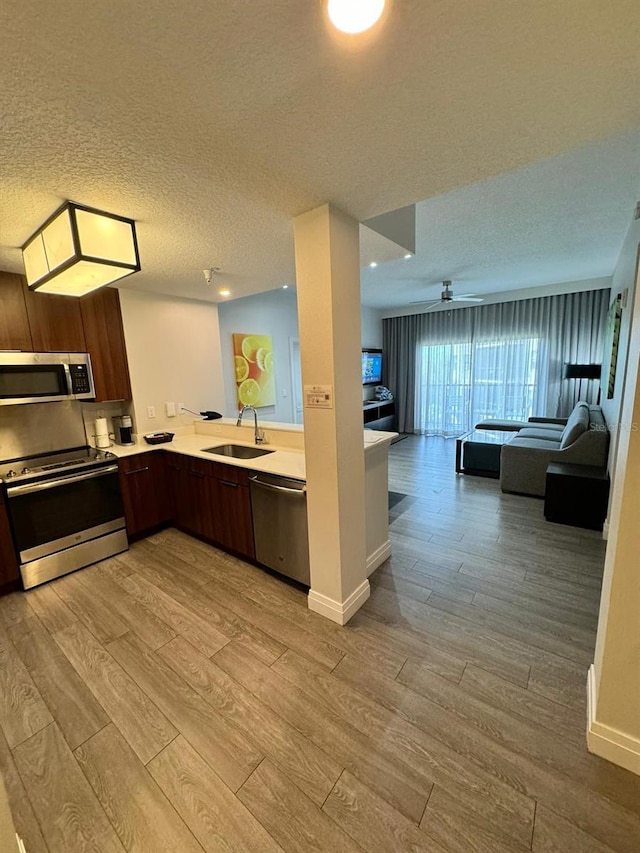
{"x": 279, "y": 506}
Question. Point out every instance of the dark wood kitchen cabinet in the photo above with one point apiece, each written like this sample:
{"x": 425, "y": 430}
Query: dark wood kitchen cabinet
{"x": 144, "y": 492}
{"x": 9, "y": 570}
{"x": 231, "y": 503}
{"x": 104, "y": 335}
{"x": 55, "y": 322}
{"x": 190, "y": 495}
{"x": 211, "y": 500}
{"x": 42, "y": 322}
{"x": 15, "y": 333}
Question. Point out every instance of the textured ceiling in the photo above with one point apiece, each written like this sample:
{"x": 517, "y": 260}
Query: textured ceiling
{"x": 213, "y": 123}
{"x": 559, "y": 220}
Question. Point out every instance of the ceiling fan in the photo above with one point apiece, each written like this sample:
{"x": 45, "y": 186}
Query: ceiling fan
{"x": 447, "y": 296}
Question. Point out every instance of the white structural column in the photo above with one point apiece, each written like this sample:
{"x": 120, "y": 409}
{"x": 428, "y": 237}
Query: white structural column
{"x": 614, "y": 679}
{"x": 328, "y": 281}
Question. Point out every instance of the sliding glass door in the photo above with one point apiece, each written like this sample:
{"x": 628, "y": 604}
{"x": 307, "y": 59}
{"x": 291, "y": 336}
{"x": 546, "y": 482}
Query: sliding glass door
{"x": 459, "y": 384}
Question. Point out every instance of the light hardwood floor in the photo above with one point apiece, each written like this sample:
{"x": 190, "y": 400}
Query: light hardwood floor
{"x": 178, "y": 699}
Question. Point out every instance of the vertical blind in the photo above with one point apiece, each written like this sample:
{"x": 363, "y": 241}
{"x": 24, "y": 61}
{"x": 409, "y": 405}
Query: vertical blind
{"x": 450, "y": 369}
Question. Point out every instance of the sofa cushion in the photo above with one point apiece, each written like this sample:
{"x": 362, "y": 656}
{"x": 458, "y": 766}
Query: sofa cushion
{"x": 542, "y": 433}
{"x": 577, "y": 424}
{"x": 557, "y": 428}
{"x": 533, "y": 444}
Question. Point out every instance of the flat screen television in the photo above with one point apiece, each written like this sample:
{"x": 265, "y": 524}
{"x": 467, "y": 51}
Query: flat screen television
{"x": 371, "y": 366}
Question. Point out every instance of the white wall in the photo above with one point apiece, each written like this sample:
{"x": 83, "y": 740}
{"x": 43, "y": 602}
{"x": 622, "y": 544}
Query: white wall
{"x": 371, "y": 319}
{"x": 614, "y": 692}
{"x": 275, "y": 313}
{"x": 624, "y": 278}
{"x": 511, "y": 295}
{"x": 173, "y": 347}
{"x": 272, "y": 313}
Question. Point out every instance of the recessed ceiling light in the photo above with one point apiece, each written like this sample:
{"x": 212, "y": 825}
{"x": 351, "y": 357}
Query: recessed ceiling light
{"x": 224, "y": 292}
{"x": 354, "y": 16}
{"x": 373, "y": 265}
{"x": 408, "y": 256}
{"x": 285, "y": 287}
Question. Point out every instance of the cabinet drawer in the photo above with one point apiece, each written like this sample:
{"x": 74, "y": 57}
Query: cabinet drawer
{"x": 231, "y": 473}
{"x": 205, "y": 468}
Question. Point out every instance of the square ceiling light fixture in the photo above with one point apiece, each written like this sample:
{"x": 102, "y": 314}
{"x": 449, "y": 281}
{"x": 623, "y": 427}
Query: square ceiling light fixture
{"x": 80, "y": 249}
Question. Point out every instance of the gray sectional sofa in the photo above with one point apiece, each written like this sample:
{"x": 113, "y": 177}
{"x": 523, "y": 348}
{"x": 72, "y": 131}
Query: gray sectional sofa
{"x": 583, "y": 439}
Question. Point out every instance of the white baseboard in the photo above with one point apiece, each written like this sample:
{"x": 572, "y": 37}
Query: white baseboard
{"x": 339, "y": 611}
{"x": 605, "y": 741}
{"x": 378, "y": 557}
{"x": 605, "y": 529}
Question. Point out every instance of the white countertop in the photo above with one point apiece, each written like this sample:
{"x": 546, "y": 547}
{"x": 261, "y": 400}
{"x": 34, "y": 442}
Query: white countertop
{"x": 282, "y": 461}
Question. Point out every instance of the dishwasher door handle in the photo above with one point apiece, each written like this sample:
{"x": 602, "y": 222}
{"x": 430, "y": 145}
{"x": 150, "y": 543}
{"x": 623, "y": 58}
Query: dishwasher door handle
{"x": 302, "y": 492}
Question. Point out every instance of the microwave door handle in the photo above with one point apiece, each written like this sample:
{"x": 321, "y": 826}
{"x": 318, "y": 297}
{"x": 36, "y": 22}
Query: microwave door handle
{"x": 67, "y": 376}
{"x": 31, "y": 488}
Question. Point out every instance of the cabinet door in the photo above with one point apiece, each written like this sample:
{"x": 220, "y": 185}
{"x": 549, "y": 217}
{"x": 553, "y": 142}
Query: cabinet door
{"x": 104, "y": 334}
{"x": 9, "y": 571}
{"x": 143, "y": 492}
{"x": 178, "y": 482}
{"x": 190, "y": 497}
{"x": 203, "y": 515}
{"x": 55, "y": 322}
{"x": 231, "y": 506}
{"x": 14, "y": 322}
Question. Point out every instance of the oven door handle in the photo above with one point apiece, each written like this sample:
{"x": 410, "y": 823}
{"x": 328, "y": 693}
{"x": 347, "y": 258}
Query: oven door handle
{"x": 31, "y": 488}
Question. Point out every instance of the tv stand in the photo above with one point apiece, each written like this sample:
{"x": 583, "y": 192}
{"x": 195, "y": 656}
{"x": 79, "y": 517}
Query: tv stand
{"x": 380, "y": 414}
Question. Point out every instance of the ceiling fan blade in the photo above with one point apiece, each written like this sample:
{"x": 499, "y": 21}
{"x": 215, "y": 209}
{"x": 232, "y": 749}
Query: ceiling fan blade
{"x": 429, "y": 302}
{"x": 467, "y": 299}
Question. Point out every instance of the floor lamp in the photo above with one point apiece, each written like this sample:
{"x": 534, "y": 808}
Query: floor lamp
{"x": 583, "y": 371}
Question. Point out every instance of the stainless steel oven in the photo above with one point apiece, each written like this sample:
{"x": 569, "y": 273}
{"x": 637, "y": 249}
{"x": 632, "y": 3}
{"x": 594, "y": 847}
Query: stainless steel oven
{"x": 44, "y": 377}
{"x": 65, "y": 514}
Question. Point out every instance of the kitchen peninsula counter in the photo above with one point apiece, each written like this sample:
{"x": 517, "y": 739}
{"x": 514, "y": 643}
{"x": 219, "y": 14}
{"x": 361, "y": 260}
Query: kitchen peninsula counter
{"x": 287, "y": 460}
{"x": 286, "y": 441}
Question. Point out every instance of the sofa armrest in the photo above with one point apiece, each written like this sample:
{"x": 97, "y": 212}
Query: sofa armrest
{"x": 523, "y": 465}
{"x": 560, "y": 421}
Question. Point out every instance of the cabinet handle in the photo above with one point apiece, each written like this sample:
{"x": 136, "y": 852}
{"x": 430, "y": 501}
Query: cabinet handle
{"x": 228, "y": 483}
{"x": 136, "y": 471}
{"x": 196, "y": 474}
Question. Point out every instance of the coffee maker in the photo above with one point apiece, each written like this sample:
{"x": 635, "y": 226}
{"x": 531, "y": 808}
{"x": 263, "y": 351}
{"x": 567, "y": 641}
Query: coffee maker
{"x": 123, "y": 429}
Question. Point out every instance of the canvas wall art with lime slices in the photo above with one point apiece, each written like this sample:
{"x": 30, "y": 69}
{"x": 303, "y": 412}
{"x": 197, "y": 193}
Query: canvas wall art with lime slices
{"x": 253, "y": 361}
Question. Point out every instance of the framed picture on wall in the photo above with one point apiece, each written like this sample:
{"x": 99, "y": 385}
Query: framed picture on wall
{"x": 254, "y": 370}
{"x": 612, "y": 340}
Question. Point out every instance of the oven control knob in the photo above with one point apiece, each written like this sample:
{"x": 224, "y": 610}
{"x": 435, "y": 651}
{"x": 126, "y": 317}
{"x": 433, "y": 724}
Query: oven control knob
{"x": 10, "y": 473}
{"x": 25, "y": 471}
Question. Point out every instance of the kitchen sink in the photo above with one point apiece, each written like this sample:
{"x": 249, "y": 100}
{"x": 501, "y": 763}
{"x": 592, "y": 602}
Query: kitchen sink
{"x": 237, "y": 451}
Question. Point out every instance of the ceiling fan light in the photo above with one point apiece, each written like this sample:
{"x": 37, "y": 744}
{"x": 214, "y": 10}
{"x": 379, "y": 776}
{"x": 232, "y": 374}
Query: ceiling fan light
{"x": 80, "y": 249}
{"x": 354, "y": 16}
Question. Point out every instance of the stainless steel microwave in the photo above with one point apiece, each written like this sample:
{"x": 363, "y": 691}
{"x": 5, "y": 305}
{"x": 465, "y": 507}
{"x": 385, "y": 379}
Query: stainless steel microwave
{"x": 44, "y": 377}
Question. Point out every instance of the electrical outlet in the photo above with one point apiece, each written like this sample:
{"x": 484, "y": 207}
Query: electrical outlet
{"x": 181, "y": 409}
{"x": 170, "y": 410}
{"x": 151, "y": 412}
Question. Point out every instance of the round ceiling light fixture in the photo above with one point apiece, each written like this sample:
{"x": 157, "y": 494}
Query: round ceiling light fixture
{"x": 354, "y": 16}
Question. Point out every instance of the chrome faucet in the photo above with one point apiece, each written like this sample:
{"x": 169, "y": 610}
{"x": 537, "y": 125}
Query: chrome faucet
{"x": 258, "y": 437}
